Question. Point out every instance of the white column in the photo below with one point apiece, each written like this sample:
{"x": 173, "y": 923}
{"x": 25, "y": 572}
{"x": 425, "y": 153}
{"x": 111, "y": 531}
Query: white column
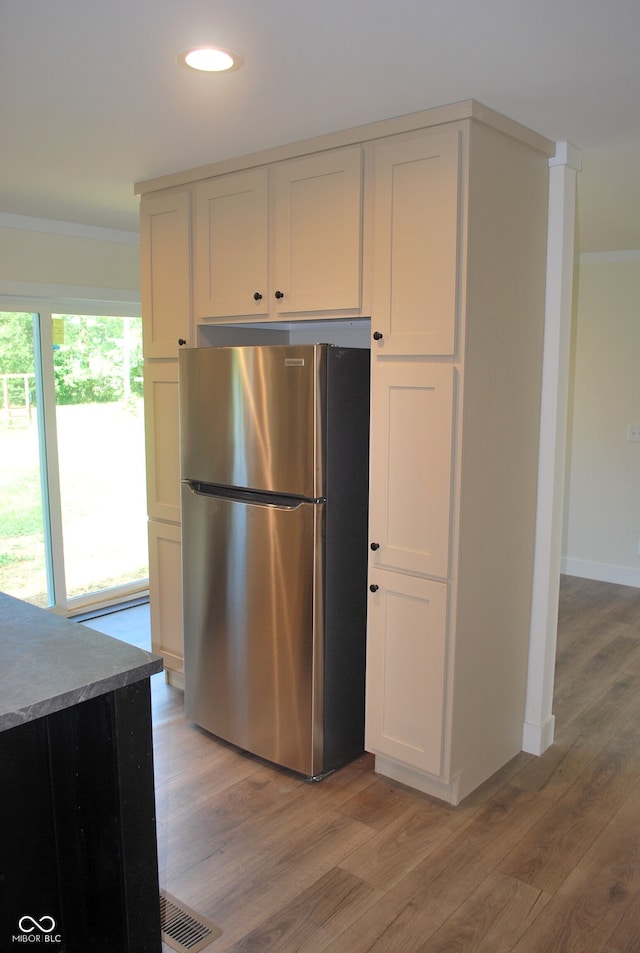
{"x": 539, "y": 720}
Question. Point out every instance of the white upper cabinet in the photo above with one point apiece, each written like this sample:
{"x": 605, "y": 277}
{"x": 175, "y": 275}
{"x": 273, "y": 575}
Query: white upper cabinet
{"x": 281, "y": 241}
{"x": 318, "y": 233}
{"x": 415, "y": 242}
{"x": 165, "y": 252}
{"x": 231, "y": 245}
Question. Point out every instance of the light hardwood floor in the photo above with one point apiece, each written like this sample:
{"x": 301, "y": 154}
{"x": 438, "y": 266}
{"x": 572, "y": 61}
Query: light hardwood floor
{"x": 544, "y": 858}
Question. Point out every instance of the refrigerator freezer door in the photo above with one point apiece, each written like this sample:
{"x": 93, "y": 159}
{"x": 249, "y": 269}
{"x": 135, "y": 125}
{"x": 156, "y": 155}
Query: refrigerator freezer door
{"x": 253, "y": 629}
{"x": 252, "y": 417}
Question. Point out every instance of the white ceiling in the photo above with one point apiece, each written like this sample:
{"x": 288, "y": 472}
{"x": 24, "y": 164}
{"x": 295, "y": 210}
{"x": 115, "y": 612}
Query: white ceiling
{"x": 92, "y": 100}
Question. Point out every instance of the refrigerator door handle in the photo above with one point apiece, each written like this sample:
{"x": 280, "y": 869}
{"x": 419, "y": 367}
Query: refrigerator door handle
{"x": 249, "y": 496}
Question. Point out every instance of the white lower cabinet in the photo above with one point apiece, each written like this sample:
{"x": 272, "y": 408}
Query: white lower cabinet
{"x": 411, "y": 446}
{"x": 163, "y": 507}
{"x": 162, "y": 440}
{"x": 165, "y": 595}
{"x": 411, "y": 449}
{"x": 405, "y": 669}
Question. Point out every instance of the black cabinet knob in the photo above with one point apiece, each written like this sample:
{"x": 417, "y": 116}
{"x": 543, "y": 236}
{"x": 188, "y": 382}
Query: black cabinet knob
{"x": 279, "y": 294}
{"x": 257, "y": 296}
{"x": 181, "y": 341}
{"x": 375, "y": 546}
{"x": 373, "y": 587}
{"x": 377, "y": 335}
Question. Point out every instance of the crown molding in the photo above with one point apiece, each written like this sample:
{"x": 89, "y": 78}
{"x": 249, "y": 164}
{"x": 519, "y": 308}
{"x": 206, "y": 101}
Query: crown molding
{"x": 567, "y": 154}
{"x": 68, "y": 229}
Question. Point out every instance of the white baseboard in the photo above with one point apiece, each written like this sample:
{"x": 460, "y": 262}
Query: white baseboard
{"x": 603, "y": 572}
{"x": 537, "y": 738}
{"x": 174, "y": 678}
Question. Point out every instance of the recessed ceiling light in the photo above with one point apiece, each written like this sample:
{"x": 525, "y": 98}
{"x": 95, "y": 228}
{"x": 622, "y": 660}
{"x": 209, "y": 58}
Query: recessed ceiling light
{"x": 210, "y": 59}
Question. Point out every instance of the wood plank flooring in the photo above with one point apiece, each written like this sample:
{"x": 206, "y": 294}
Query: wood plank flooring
{"x": 544, "y": 858}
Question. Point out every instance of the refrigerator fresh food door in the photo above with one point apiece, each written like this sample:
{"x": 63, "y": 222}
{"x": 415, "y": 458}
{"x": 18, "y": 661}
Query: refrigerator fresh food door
{"x": 252, "y": 417}
{"x": 253, "y": 625}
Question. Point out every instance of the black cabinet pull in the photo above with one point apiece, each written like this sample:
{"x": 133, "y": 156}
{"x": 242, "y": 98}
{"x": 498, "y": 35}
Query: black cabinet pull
{"x": 377, "y": 335}
{"x": 279, "y": 294}
{"x": 181, "y": 341}
{"x": 375, "y": 546}
{"x": 257, "y": 296}
{"x": 373, "y": 587}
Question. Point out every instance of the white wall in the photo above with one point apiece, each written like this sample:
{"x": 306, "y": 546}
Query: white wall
{"x": 602, "y": 505}
{"x": 43, "y": 257}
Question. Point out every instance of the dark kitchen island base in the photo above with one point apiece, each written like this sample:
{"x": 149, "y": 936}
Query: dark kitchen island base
{"x": 78, "y": 854}
{"x": 78, "y": 865}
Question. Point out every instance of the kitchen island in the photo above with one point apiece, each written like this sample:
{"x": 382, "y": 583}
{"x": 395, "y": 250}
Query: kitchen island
{"x": 78, "y": 854}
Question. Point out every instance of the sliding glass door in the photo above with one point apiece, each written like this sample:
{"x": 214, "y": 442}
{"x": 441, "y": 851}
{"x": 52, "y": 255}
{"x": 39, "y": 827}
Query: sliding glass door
{"x": 25, "y": 551}
{"x": 73, "y": 525}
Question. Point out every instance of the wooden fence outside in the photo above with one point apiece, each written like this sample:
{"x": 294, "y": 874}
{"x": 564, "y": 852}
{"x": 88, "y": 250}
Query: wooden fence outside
{"x": 16, "y": 401}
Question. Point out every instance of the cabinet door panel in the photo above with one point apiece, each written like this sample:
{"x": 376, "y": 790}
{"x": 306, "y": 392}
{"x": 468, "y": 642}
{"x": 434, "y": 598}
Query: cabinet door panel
{"x": 165, "y": 252}
{"x": 405, "y": 669}
{"x": 162, "y": 441}
{"x": 318, "y": 232}
{"x": 231, "y": 252}
{"x": 411, "y": 447}
{"x": 165, "y": 593}
{"x": 415, "y": 243}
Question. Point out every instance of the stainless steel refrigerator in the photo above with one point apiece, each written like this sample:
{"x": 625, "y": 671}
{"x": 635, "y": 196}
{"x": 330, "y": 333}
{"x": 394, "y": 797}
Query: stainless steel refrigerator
{"x": 274, "y": 465}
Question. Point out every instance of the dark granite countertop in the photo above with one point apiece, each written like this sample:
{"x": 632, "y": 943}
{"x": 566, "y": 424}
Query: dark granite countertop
{"x": 48, "y": 663}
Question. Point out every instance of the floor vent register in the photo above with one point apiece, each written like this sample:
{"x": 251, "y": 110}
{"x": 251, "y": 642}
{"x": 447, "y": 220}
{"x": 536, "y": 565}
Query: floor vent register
{"x": 183, "y": 929}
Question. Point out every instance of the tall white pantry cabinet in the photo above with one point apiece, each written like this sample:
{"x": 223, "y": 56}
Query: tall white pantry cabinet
{"x": 165, "y": 242}
{"x": 440, "y": 220}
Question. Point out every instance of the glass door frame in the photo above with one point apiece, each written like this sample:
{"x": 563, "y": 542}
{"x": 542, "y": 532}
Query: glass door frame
{"x": 45, "y": 308}
{"x": 48, "y": 451}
